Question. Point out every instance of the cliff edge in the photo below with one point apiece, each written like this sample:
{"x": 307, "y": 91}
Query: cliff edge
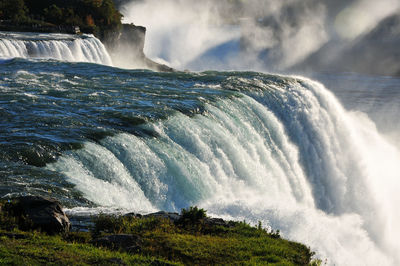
{"x": 126, "y": 48}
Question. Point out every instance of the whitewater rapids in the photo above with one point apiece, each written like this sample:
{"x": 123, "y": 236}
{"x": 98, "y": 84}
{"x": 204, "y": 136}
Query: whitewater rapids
{"x": 282, "y": 151}
{"x": 63, "y": 47}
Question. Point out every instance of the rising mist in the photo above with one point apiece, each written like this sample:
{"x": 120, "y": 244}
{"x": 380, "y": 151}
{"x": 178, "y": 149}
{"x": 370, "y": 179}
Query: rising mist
{"x": 290, "y": 36}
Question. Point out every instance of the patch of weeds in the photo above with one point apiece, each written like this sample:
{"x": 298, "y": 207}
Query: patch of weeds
{"x": 192, "y": 215}
{"x": 113, "y": 224}
{"x": 12, "y": 217}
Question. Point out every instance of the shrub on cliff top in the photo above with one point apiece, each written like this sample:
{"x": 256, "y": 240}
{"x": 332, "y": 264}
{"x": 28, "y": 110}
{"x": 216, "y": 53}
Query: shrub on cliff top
{"x": 103, "y": 13}
{"x": 193, "y": 214}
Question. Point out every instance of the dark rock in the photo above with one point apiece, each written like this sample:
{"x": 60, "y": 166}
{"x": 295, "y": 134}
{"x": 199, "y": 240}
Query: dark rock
{"x": 216, "y": 222}
{"x": 133, "y": 215}
{"x": 129, "y": 40}
{"x": 126, "y": 48}
{"x": 157, "y": 67}
{"x": 172, "y": 216}
{"x": 44, "y": 214}
{"x": 129, "y": 243}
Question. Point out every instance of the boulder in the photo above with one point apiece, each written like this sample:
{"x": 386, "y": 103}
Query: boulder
{"x": 42, "y": 213}
{"x": 172, "y": 216}
{"x": 217, "y": 222}
{"x": 133, "y": 215}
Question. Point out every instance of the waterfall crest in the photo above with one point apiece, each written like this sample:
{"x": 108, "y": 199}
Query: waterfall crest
{"x": 63, "y": 47}
{"x": 283, "y": 151}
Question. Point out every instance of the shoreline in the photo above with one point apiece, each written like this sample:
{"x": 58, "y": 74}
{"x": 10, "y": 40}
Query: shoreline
{"x": 190, "y": 237}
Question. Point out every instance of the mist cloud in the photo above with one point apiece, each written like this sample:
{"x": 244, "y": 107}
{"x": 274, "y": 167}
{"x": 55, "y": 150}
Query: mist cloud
{"x": 262, "y": 34}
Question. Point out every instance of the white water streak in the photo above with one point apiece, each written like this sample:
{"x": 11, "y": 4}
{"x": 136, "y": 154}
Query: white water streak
{"x": 76, "y": 49}
{"x": 288, "y": 155}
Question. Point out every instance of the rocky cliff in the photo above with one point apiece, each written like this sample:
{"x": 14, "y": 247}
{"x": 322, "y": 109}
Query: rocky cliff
{"x": 126, "y": 48}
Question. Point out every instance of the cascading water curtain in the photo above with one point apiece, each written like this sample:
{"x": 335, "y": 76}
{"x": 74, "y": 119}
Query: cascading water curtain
{"x": 284, "y": 152}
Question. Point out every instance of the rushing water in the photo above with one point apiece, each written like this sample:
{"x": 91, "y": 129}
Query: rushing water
{"x": 243, "y": 145}
{"x": 65, "y": 47}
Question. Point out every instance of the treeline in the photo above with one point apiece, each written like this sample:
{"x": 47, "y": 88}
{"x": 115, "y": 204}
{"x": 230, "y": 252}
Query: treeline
{"x": 92, "y": 16}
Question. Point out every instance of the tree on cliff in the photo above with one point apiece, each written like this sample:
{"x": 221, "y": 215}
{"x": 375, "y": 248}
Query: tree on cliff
{"x": 93, "y": 16}
{"x": 14, "y": 10}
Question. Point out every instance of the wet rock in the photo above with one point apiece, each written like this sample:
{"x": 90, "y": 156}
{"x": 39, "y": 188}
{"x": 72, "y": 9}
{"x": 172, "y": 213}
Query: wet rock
{"x": 40, "y": 213}
{"x": 133, "y": 215}
{"x": 172, "y": 216}
{"x": 217, "y": 222}
{"x": 126, "y": 48}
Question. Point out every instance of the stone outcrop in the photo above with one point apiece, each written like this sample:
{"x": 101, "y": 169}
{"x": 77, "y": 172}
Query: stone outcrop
{"x": 126, "y": 48}
{"x": 40, "y": 213}
{"x": 172, "y": 216}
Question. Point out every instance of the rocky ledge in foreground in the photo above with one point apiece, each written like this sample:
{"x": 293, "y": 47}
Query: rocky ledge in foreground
{"x": 37, "y": 213}
{"x": 160, "y": 238}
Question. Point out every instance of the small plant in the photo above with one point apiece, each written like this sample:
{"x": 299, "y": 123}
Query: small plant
{"x": 192, "y": 219}
{"x": 275, "y": 234}
{"x": 193, "y": 214}
{"x": 108, "y": 224}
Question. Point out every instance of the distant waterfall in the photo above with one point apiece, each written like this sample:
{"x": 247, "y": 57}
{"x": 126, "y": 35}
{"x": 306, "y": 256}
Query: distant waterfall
{"x": 61, "y": 47}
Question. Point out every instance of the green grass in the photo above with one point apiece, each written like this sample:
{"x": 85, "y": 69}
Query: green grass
{"x": 207, "y": 249}
{"x": 37, "y": 248}
{"x": 191, "y": 240}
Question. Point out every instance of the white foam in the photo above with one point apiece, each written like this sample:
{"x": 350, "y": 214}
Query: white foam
{"x": 288, "y": 155}
{"x": 69, "y": 48}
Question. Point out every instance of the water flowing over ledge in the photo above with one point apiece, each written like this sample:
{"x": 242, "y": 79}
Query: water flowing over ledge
{"x": 243, "y": 145}
{"x": 63, "y": 47}
{"x": 282, "y": 149}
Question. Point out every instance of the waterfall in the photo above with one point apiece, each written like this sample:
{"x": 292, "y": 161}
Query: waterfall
{"x": 284, "y": 151}
{"x": 61, "y": 47}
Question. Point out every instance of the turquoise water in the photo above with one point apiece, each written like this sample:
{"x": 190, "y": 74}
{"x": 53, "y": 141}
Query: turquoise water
{"x": 48, "y": 107}
{"x": 244, "y": 145}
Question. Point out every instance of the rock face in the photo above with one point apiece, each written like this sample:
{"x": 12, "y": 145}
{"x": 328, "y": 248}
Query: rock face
{"x": 129, "y": 39}
{"x": 44, "y": 214}
{"x": 172, "y": 216}
{"x": 218, "y": 222}
{"x": 126, "y": 48}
